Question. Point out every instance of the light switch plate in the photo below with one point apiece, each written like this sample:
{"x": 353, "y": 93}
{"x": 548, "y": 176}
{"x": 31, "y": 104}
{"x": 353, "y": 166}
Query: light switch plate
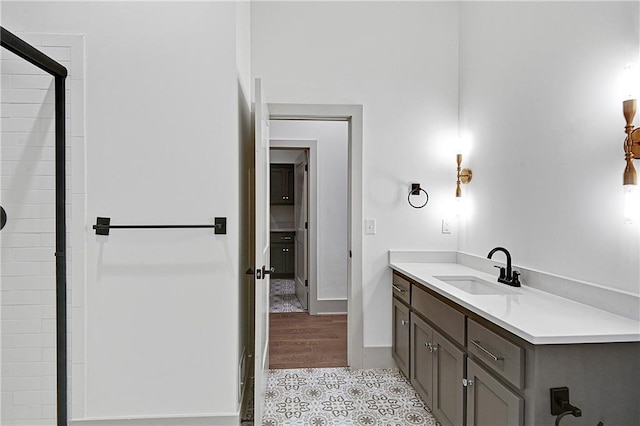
{"x": 370, "y": 226}
{"x": 446, "y": 226}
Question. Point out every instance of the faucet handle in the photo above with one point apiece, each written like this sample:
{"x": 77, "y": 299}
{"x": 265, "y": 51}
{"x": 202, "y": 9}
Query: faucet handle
{"x": 515, "y": 281}
{"x": 502, "y": 271}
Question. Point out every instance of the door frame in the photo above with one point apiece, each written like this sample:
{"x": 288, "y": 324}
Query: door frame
{"x": 353, "y": 115}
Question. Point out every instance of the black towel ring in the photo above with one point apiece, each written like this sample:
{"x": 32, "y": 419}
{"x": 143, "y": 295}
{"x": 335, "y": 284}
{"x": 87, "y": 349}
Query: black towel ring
{"x": 3, "y": 218}
{"x": 416, "y": 191}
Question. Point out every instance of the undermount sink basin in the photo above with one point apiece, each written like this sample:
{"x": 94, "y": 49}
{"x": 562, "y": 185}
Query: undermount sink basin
{"x": 475, "y": 285}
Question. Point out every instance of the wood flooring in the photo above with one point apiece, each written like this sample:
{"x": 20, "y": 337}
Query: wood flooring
{"x": 300, "y": 340}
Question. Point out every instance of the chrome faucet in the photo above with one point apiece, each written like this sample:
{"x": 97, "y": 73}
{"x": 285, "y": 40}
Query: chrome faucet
{"x": 508, "y": 277}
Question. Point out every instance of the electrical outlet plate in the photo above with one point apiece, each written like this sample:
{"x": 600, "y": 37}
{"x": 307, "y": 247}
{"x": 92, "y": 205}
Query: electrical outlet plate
{"x": 370, "y": 226}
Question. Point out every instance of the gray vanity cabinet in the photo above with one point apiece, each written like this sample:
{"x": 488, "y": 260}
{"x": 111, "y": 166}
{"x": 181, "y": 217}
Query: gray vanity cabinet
{"x": 400, "y": 331}
{"x": 489, "y": 402}
{"x": 470, "y": 371}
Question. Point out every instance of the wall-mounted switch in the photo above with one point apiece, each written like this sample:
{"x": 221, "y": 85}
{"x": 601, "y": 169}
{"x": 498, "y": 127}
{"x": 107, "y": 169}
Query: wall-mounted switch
{"x": 370, "y": 226}
{"x": 446, "y": 226}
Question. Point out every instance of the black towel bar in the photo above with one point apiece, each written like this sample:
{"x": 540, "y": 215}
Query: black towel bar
{"x": 103, "y": 225}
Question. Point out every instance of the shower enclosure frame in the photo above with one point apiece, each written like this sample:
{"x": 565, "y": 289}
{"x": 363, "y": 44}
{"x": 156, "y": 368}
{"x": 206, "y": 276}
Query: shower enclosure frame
{"x": 29, "y": 53}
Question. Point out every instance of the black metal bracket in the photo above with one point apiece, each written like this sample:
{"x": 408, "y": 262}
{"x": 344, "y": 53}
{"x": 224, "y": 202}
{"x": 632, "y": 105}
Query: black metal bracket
{"x": 416, "y": 189}
{"x": 103, "y": 226}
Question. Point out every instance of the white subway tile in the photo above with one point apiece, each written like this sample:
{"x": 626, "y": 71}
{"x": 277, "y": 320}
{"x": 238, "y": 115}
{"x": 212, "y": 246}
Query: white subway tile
{"x": 20, "y": 240}
{"x": 25, "y": 297}
{"x": 28, "y": 96}
{"x": 21, "y": 326}
{"x": 32, "y": 82}
{"x": 22, "y": 355}
{"x": 22, "y": 413}
{"x": 28, "y": 153}
{"x": 21, "y": 383}
{"x": 32, "y": 110}
{"x": 34, "y": 397}
{"x": 27, "y": 341}
{"x": 33, "y": 311}
{"x": 28, "y": 139}
{"x": 27, "y": 283}
{"x": 15, "y": 124}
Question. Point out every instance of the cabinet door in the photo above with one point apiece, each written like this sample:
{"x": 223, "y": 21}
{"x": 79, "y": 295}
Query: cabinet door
{"x": 448, "y": 372}
{"x": 281, "y": 184}
{"x": 422, "y": 350}
{"x": 400, "y": 346}
{"x": 282, "y": 257}
{"x": 489, "y": 402}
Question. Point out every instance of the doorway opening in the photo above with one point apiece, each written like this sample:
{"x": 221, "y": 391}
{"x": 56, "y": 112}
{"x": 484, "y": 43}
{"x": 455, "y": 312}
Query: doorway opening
{"x": 309, "y": 224}
{"x": 289, "y": 208}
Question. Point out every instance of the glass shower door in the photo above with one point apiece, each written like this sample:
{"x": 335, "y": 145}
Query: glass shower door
{"x": 27, "y": 244}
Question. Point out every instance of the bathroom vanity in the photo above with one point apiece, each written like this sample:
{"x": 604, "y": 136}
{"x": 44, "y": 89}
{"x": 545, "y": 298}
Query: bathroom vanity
{"x": 483, "y": 353}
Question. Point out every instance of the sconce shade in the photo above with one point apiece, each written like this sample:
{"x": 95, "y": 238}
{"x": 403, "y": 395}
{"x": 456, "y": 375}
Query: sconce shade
{"x": 630, "y": 176}
{"x": 629, "y": 110}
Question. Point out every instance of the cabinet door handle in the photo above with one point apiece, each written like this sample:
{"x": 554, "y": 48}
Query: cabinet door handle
{"x": 467, "y": 382}
{"x": 477, "y": 344}
{"x": 285, "y": 238}
{"x": 396, "y": 288}
{"x": 404, "y": 322}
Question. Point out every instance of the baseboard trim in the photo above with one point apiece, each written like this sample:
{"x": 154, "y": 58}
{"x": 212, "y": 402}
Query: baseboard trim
{"x": 378, "y": 357}
{"x": 204, "y": 420}
{"x": 331, "y": 307}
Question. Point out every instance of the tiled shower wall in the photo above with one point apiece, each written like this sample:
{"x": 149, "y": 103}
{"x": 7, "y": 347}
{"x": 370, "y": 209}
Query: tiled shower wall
{"x": 27, "y": 262}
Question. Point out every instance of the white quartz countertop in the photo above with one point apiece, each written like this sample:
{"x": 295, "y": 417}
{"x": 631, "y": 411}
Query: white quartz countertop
{"x": 535, "y": 316}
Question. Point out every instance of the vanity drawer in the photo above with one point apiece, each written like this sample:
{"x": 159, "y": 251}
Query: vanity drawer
{"x": 502, "y": 356}
{"x": 401, "y": 288}
{"x": 439, "y": 313}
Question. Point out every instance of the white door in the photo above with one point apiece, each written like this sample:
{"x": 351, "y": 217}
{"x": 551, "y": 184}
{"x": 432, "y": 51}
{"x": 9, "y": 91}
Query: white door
{"x": 262, "y": 259}
{"x": 301, "y": 220}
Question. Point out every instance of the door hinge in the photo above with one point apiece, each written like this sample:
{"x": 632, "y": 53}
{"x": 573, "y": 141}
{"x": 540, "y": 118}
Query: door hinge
{"x": 306, "y": 283}
{"x": 350, "y": 254}
{"x": 306, "y": 225}
{"x": 306, "y": 168}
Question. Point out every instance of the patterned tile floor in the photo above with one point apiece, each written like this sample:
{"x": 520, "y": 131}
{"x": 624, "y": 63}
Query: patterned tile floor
{"x": 342, "y": 396}
{"x": 282, "y": 297}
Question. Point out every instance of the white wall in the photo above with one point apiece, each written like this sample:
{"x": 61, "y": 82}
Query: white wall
{"x": 332, "y": 181}
{"x": 162, "y": 147}
{"x": 398, "y": 60}
{"x": 539, "y": 92}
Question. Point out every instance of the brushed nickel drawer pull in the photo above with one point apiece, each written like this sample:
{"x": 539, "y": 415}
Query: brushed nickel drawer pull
{"x": 396, "y": 288}
{"x": 492, "y": 356}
